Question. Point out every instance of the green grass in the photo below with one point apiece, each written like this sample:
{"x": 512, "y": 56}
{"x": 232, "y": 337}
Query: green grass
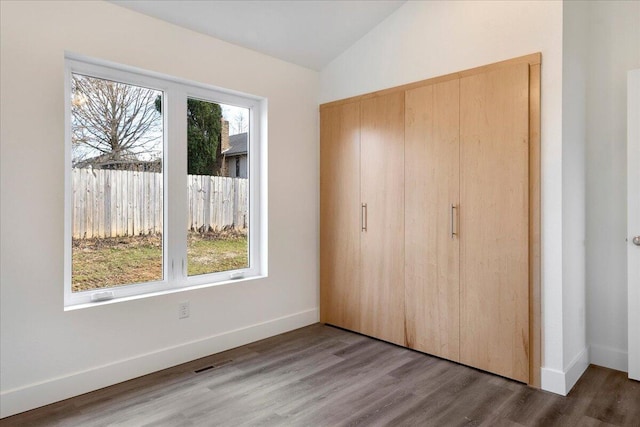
{"x": 103, "y": 263}
{"x": 209, "y": 256}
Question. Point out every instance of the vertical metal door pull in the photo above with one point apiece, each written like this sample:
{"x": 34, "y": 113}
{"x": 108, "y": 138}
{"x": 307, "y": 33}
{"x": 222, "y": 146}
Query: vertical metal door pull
{"x": 364, "y": 217}
{"x": 453, "y": 221}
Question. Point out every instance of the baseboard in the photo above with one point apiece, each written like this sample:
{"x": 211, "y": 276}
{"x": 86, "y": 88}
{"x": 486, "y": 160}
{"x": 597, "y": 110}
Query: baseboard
{"x": 553, "y": 380}
{"x": 608, "y": 357}
{"x": 561, "y": 382}
{"x": 35, "y": 395}
{"x": 576, "y": 368}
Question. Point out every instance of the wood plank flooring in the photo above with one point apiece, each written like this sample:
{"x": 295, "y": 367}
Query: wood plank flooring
{"x": 324, "y": 376}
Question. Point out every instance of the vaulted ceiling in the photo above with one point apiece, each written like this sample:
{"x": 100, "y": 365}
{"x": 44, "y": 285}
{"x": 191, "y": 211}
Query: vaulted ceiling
{"x": 308, "y": 33}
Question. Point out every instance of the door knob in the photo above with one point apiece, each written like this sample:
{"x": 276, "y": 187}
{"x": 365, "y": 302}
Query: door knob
{"x": 636, "y": 240}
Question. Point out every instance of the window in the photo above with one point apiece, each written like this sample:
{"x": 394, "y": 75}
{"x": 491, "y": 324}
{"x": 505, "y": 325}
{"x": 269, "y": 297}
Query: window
{"x": 218, "y": 201}
{"x": 152, "y": 202}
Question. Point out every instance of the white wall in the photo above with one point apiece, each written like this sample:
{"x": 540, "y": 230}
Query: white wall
{"x": 428, "y": 39}
{"x": 48, "y": 354}
{"x": 575, "y": 49}
{"x": 614, "y": 48}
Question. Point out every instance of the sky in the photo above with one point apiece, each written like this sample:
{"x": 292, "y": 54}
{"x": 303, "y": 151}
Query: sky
{"x": 238, "y": 118}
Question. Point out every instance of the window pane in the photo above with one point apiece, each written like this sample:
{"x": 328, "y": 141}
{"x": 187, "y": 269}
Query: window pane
{"x": 117, "y": 183}
{"x": 217, "y": 167}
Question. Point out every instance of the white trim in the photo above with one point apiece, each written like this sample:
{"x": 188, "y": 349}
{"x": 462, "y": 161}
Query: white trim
{"x": 612, "y": 358}
{"x": 43, "y": 393}
{"x": 553, "y": 380}
{"x": 68, "y": 231}
{"x": 162, "y": 292}
{"x": 560, "y": 382}
{"x": 633, "y": 222}
{"x": 576, "y": 368}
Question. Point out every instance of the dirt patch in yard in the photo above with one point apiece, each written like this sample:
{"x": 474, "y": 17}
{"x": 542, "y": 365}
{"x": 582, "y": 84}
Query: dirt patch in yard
{"x": 116, "y": 261}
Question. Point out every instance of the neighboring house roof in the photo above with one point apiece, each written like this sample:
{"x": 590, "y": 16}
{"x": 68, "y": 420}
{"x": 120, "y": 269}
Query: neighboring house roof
{"x": 238, "y": 145}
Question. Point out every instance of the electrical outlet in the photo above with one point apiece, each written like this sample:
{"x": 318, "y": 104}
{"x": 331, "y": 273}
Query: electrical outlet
{"x": 183, "y": 310}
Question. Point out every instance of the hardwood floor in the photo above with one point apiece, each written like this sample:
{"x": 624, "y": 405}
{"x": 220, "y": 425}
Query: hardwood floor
{"x": 324, "y": 376}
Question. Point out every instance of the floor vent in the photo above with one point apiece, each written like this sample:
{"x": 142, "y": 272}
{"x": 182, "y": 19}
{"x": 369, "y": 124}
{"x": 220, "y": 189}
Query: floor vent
{"x": 207, "y": 368}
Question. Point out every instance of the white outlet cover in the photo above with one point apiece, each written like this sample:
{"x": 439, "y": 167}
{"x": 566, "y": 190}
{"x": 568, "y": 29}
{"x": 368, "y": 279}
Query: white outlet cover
{"x": 183, "y": 310}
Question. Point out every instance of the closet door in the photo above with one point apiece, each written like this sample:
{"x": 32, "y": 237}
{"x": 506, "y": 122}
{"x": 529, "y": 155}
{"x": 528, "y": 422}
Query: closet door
{"x": 382, "y": 235}
{"x": 432, "y": 150}
{"x": 340, "y": 215}
{"x": 494, "y": 207}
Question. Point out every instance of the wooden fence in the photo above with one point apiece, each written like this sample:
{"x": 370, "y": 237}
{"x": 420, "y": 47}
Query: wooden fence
{"x": 112, "y": 203}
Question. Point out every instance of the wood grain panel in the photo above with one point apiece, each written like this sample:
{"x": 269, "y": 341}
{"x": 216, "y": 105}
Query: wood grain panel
{"x": 340, "y": 216}
{"x": 382, "y": 244}
{"x": 535, "y": 305}
{"x": 494, "y": 221}
{"x": 432, "y": 149}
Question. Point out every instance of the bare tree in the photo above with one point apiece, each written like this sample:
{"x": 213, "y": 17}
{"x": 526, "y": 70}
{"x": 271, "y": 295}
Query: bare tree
{"x": 113, "y": 122}
{"x": 240, "y": 122}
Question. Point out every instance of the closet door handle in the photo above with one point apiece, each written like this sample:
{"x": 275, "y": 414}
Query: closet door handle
{"x": 364, "y": 217}
{"x": 454, "y": 231}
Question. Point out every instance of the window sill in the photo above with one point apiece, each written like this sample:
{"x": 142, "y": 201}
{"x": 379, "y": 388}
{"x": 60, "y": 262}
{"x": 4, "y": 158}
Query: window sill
{"x": 163, "y": 292}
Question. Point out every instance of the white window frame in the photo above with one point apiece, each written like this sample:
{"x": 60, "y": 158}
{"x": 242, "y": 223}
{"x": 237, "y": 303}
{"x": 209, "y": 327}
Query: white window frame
{"x": 175, "y": 197}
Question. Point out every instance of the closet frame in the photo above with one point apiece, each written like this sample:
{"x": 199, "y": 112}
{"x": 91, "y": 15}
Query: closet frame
{"x": 535, "y": 310}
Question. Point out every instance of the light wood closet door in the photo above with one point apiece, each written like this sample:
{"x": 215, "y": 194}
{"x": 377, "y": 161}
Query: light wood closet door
{"x": 432, "y": 150}
{"x": 494, "y": 207}
{"x": 340, "y": 215}
{"x": 382, "y": 243}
